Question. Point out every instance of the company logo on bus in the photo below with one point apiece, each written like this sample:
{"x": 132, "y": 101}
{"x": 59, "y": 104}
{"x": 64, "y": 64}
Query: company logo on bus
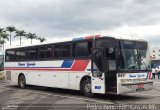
{"x": 137, "y": 75}
{"x": 97, "y": 87}
{"x": 26, "y": 64}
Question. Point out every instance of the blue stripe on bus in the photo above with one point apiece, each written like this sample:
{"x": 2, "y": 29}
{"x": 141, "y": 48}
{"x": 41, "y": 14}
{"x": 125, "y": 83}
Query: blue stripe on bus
{"x": 67, "y": 63}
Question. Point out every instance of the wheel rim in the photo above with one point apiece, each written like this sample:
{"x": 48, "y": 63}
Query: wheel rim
{"x": 22, "y": 82}
{"x": 88, "y": 88}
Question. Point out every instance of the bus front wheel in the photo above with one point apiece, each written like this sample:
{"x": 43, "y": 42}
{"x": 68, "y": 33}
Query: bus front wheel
{"x": 21, "y": 81}
{"x": 86, "y": 88}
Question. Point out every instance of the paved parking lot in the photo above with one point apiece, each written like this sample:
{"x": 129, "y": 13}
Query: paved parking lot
{"x": 41, "y": 98}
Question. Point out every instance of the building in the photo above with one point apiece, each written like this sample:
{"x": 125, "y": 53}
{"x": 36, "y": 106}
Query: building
{"x": 155, "y": 56}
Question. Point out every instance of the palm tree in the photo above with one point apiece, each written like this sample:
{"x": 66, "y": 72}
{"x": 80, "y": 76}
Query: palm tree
{"x": 2, "y": 42}
{"x": 41, "y": 39}
{"x": 20, "y": 34}
{"x": 3, "y": 37}
{"x": 10, "y": 29}
{"x": 31, "y": 36}
{"x": 1, "y": 30}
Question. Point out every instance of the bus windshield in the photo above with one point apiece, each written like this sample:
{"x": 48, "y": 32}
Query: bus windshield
{"x": 135, "y": 55}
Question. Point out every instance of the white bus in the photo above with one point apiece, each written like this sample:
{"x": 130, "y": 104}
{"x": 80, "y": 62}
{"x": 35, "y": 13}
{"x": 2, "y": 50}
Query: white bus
{"x": 90, "y": 64}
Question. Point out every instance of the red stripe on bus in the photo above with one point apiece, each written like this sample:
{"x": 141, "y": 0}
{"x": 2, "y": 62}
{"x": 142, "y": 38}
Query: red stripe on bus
{"x": 91, "y": 37}
{"x": 80, "y": 65}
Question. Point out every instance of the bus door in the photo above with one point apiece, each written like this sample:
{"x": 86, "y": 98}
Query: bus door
{"x": 98, "y": 76}
{"x": 103, "y": 70}
{"x": 109, "y": 68}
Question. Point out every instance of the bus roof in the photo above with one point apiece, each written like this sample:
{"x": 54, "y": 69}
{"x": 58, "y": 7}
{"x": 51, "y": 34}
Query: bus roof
{"x": 87, "y": 38}
{"x": 77, "y": 40}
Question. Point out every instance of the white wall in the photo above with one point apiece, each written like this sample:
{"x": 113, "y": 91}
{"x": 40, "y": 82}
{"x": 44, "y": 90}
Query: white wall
{"x": 155, "y": 53}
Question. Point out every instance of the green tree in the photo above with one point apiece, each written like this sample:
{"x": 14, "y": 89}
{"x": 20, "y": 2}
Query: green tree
{"x": 31, "y": 36}
{"x": 20, "y": 34}
{"x": 2, "y": 42}
{"x": 41, "y": 39}
{"x": 10, "y": 29}
{"x": 2, "y": 30}
{"x": 3, "y": 38}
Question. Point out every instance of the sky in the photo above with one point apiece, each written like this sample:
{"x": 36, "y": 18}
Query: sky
{"x": 61, "y": 20}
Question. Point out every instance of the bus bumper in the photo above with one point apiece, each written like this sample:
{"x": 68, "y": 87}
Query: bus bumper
{"x": 134, "y": 87}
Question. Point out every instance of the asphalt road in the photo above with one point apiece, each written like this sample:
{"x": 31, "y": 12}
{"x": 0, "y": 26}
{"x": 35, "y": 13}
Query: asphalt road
{"x": 42, "y": 98}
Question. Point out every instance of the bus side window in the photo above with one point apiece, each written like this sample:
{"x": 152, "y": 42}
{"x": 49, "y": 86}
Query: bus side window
{"x": 81, "y": 49}
{"x": 10, "y": 55}
{"x": 62, "y": 50}
{"x": 45, "y": 52}
{"x": 32, "y": 53}
{"x": 20, "y": 54}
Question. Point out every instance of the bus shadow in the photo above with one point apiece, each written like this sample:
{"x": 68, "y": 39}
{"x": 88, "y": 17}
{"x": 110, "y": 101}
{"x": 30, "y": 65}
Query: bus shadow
{"x": 120, "y": 99}
{"x": 116, "y": 99}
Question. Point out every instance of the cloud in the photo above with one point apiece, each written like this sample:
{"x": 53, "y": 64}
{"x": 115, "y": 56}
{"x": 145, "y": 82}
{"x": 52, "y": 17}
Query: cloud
{"x": 62, "y": 18}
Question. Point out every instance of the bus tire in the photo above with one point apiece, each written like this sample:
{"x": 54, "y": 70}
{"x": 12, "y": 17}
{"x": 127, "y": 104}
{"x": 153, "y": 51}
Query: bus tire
{"x": 21, "y": 81}
{"x": 86, "y": 88}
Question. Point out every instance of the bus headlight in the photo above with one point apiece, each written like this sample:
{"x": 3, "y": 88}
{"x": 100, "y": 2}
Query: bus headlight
{"x": 126, "y": 80}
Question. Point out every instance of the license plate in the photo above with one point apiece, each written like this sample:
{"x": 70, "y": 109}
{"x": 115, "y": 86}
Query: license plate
{"x": 140, "y": 86}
